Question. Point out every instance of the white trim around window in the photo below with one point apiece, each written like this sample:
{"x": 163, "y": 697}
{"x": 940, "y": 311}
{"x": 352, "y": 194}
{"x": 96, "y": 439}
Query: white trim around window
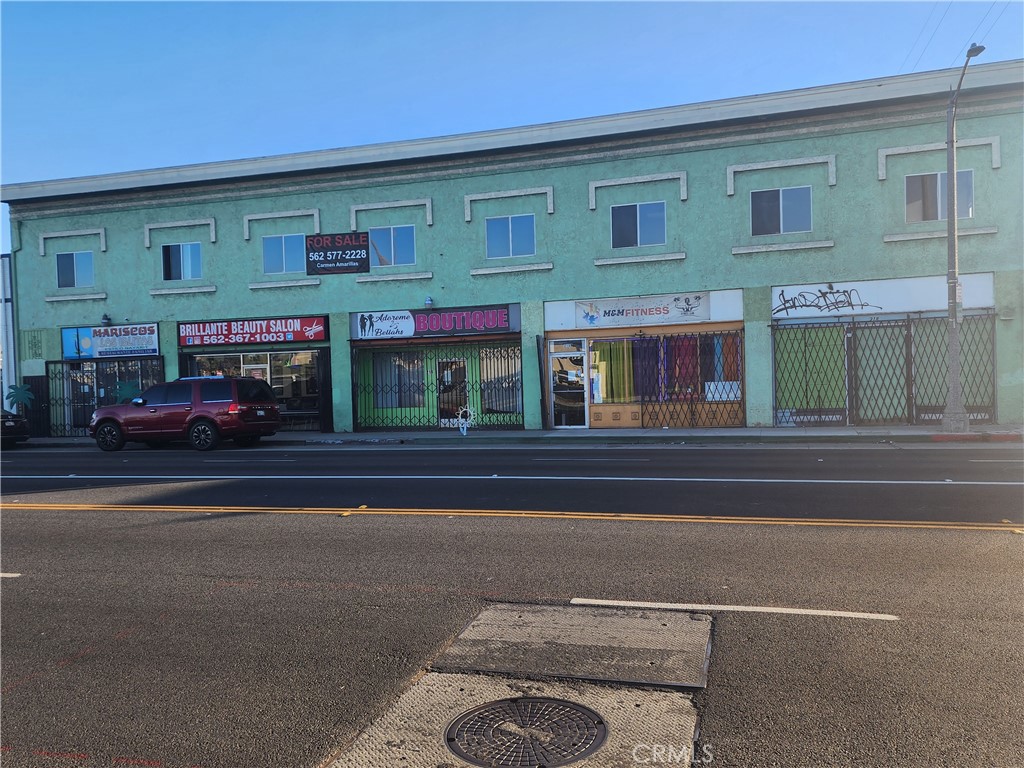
{"x": 732, "y": 170}
{"x": 596, "y": 185}
{"x": 468, "y": 200}
{"x": 885, "y": 153}
{"x": 190, "y": 223}
{"x": 425, "y": 202}
{"x": 101, "y": 232}
{"x": 314, "y": 212}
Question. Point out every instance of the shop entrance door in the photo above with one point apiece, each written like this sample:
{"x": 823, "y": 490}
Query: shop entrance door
{"x": 451, "y": 391}
{"x": 568, "y": 384}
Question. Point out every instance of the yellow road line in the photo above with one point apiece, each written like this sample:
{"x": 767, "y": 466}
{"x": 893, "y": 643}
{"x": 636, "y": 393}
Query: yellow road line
{"x": 533, "y": 514}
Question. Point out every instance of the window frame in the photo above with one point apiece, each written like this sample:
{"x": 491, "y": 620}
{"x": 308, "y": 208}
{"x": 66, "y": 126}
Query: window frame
{"x": 167, "y": 250}
{"x": 639, "y": 228}
{"x": 942, "y": 202}
{"x": 391, "y": 238}
{"x": 511, "y": 251}
{"x": 77, "y": 269}
{"x": 284, "y": 254}
{"x": 781, "y": 210}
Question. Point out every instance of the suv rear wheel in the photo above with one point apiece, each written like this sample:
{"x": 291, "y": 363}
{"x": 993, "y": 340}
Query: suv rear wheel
{"x": 109, "y": 436}
{"x": 203, "y": 435}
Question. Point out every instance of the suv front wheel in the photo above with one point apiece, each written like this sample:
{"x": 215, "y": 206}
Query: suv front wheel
{"x": 109, "y": 436}
{"x": 203, "y": 435}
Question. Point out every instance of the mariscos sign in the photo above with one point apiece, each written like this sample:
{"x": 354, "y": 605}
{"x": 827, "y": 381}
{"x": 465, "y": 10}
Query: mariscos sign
{"x": 270, "y": 330}
{"x": 135, "y": 340}
{"x": 458, "y": 321}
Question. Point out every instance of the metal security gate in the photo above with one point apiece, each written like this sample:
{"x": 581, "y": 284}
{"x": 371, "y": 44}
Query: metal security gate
{"x": 680, "y": 380}
{"x": 74, "y": 389}
{"x": 879, "y": 372}
{"x": 425, "y": 386}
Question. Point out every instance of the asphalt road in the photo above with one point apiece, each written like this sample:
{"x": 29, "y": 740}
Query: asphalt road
{"x": 171, "y": 610}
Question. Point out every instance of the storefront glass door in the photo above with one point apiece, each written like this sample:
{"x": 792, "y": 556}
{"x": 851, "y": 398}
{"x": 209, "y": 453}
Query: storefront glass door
{"x": 451, "y": 391}
{"x": 567, "y": 364}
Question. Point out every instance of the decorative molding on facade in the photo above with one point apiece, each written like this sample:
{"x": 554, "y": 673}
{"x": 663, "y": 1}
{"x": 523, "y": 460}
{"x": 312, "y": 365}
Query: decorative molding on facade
{"x": 940, "y": 235}
{"x": 547, "y": 266}
{"x": 548, "y": 191}
{"x": 285, "y": 284}
{"x": 78, "y": 297}
{"x": 425, "y": 171}
{"x": 887, "y": 152}
{"x": 426, "y": 202}
{"x": 640, "y": 259}
{"x": 595, "y": 185}
{"x": 390, "y": 278}
{"x": 101, "y": 232}
{"x": 191, "y": 223}
{"x": 176, "y": 291}
{"x": 808, "y": 246}
{"x": 732, "y": 170}
{"x": 314, "y": 212}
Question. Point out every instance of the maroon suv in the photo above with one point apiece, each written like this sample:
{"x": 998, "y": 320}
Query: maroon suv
{"x": 201, "y": 409}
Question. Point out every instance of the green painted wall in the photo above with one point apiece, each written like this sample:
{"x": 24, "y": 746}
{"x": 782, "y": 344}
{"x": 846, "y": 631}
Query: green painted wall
{"x": 856, "y": 213}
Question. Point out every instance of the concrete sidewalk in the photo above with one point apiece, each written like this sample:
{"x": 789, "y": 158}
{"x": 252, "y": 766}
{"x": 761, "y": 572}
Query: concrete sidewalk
{"x": 560, "y": 437}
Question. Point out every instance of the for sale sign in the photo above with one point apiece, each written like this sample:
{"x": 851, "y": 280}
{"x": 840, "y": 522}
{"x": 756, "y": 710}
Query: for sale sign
{"x": 338, "y": 254}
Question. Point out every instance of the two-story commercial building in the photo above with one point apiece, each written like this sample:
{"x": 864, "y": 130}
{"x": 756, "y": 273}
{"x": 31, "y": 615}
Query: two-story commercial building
{"x": 777, "y": 259}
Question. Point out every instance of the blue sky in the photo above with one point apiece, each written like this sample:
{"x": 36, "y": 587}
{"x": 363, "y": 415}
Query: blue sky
{"x": 91, "y": 88}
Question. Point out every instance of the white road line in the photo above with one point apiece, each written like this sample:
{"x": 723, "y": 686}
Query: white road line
{"x": 533, "y": 478}
{"x": 741, "y": 608}
{"x": 9, "y": 575}
{"x": 996, "y": 461}
{"x": 612, "y": 459}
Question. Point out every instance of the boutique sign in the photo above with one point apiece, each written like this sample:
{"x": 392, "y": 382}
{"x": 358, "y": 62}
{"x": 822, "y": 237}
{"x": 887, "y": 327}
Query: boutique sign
{"x": 457, "y": 321}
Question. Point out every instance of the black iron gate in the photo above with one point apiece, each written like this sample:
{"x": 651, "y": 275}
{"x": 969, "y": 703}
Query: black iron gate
{"x": 426, "y": 386}
{"x": 75, "y": 388}
{"x": 879, "y": 372}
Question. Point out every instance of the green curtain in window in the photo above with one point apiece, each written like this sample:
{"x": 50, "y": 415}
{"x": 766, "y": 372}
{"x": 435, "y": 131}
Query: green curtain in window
{"x": 612, "y": 361}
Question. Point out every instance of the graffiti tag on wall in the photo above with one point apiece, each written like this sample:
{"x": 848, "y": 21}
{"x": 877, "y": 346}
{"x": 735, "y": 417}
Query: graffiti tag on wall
{"x": 829, "y": 300}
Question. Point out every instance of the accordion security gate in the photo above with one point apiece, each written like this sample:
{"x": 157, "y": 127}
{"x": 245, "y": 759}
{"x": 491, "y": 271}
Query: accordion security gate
{"x": 63, "y": 400}
{"x": 879, "y": 372}
{"x": 426, "y": 386}
{"x": 679, "y": 380}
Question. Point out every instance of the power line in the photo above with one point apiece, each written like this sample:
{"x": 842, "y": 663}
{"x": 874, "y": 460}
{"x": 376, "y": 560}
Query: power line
{"x": 973, "y": 36}
{"x": 920, "y": 33}
{"x": 948, "y": 5}
{"x": 994, "y": 22}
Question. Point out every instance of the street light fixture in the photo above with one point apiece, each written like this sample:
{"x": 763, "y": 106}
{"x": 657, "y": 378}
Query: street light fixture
{"x": 955, "y": 418}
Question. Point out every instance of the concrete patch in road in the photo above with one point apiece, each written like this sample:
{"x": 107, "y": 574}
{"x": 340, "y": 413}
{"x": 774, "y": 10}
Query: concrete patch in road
{"x": 637, "y": 646}
{"x": 433, "y": 725}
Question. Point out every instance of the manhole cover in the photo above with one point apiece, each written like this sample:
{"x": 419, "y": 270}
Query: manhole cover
{"x": 525, "y": 732}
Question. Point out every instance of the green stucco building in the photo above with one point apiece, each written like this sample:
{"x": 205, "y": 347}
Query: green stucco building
{"x": 777, "y": 259}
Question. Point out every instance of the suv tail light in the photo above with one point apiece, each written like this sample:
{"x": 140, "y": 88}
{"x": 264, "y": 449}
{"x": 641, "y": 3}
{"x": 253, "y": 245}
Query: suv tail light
{"x": 233, "y": 408}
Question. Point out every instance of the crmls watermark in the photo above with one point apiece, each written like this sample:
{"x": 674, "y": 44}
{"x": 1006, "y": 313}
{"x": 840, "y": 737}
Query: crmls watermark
{"x": 672, "y": 754}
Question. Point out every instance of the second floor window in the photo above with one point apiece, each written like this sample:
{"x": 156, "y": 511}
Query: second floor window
{"x": 640, "y": 224}
{"x": 510, "y": 236}
{"x": 74, "y": 270}
{"x": 780, "y": 211}
{"x": 284, "y": 253}
{"x": 182, "y": 261}
{"x": 392, "y": 246}
{"x": 927, "y": 200}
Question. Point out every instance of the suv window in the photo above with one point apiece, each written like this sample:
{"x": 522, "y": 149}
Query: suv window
{"x": 179, "y": 392}
{"x": 255, "y": 391}
{"x": 155, "y": 395}
{"x": 215, "y": 391}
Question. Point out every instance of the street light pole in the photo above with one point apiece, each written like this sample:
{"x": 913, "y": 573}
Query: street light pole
{"x": 955, "y": 418}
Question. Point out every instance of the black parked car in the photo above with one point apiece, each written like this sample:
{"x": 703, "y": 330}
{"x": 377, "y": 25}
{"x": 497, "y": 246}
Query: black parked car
{"x": 13, "y": 429}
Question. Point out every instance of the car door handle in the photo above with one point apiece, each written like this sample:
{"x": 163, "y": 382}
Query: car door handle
{"x": 188, "y": 407}
{"x": 152, "y": 410}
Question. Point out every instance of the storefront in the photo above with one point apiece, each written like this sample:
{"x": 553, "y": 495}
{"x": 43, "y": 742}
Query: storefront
{"x": 873, "y": 352}
{"x": 671, "y": 360}
{"x": 418, "y": 369}
{"x": 100, "y": 365}
{"x": 291, "y": 353}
